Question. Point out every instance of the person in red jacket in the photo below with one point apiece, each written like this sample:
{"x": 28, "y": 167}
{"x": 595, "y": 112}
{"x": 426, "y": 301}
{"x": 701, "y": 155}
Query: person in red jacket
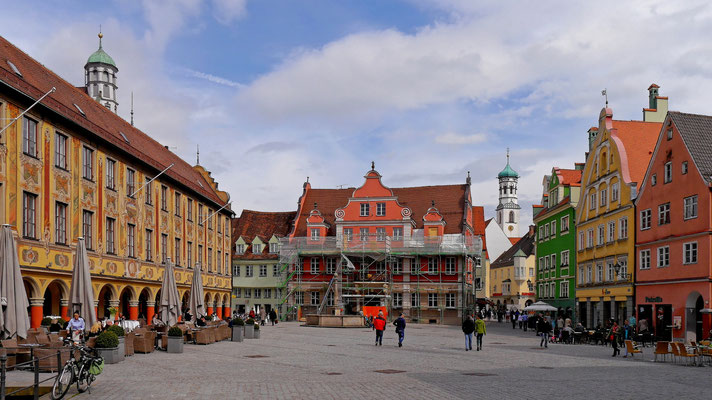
{"x": 379, "y": 324}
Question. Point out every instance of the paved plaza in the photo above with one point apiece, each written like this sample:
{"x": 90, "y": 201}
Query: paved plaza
{"x": 291, "y": 361}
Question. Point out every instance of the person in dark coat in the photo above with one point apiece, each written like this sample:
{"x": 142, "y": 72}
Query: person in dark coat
{"x": 379, "y": 324}
{"x": 273, "y": 316}
{"x": 400, "y": 329}
{"x": 468, "y": 327}
{"x": 543, "y": 328}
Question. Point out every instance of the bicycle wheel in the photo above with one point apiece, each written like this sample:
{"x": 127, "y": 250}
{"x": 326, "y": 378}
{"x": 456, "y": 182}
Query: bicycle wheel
{"x": 84, "y": 379}
{"x": 64, "y": 380}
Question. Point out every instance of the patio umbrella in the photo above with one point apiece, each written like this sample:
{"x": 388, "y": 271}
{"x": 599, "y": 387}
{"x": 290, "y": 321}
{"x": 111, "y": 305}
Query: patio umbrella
{"x": 14, "y": 319}
{"x": 706, "y": 311}
{"x": 170, "y": 301}
{"x": 540, "y": 306}
{"x": 81, "y": 294}
{"x": 197, "y": 300}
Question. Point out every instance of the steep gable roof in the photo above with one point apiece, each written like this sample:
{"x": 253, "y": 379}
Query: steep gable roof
{"x": 67, "y": 101}
{"x": 525, "y": 244}
{"x": 571, "y": 177}
{"x": 696, "y": 132}
{"x": 638, "y": 140}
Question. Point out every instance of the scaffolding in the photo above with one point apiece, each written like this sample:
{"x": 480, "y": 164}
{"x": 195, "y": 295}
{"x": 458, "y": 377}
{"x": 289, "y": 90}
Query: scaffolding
{"x": 354, "y": 277}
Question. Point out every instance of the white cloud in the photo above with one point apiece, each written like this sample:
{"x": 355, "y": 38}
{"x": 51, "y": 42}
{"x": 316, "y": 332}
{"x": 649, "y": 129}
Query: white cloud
{"x": 227, "y": 11}
{"x": 455, "y": 138}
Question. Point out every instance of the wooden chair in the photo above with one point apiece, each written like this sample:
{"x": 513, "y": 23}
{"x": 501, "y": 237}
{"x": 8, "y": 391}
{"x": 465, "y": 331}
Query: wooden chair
{"x": 129, "y": 344}
{"x": 632, "y": 349}
{"x": 684, "y": 354}
{"x": 662, "y": 348}
{"x": 145, "y": 343}
{"x": 48, "y": 358}
{"x": 675, "y": 351}
{"x": 203, "y": 336}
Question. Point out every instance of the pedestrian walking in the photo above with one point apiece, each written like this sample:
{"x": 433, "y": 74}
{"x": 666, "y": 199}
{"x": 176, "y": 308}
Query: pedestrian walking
{"x": 525, "y": 321}
{"x": 480, "y": 331}
{"x": 613, "y": 335}
{"x": 263, "y": 316}
{"x": 468, "y": 328}
{"x": 379, "y": 324}
{"x": 543, "y": 328}
{"x": 273, "y": 316}
{"x": 400, "y": 329}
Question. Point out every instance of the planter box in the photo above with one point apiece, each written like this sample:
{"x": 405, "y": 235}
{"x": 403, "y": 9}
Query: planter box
{"x": 256, "y": 335}
{"x": 237, "y": 334}
{"x": 249, "y": 331}
{"x": 111, "y": 356}
{"x": 122, "y": 348}
{"x": 175, "y": 344}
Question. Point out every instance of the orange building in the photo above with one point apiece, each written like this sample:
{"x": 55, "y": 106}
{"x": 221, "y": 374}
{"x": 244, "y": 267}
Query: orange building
{"x": 412, "y": 249}
{"x": 674, "y": 230}
{"x": 70, "y": 167}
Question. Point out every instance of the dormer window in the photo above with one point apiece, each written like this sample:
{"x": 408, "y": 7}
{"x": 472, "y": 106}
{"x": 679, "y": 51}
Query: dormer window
{"x": 256, "y": 248}
{"x": 240, "y": 249}
{"x": 365, "y": 209}
{"x": 315, "y": 233}
{"x": 274, "y": 248}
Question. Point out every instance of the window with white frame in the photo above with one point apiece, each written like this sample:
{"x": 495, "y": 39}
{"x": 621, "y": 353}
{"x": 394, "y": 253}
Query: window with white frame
{"x": 564, "y": 289}
{"x": 397, "y": 233}
{"x": 380, "y": 267}
{"x": 432, "y": 265}
{"x": 601, "y": 234}
{"x": 564, "y": 224}
{"x": 314, "y": 265}
{"x": 348, "y": 234}
{"x": 592, "y": 201}
{"x": 615, "y": 192}
{"x": 623, "y": 272}
{"x": 256, "y": 248}
{"x": 331, "y": 266}
{"x": 240, "y": 248}
{"x": 110, "y": 174}
{"x": 610, "y": 272}
{"x": 397, "y": 266}
{"x": 380, "y": 209}
{"x": 611, "y": 231}
{"x": 29, "y": 137}
{"x": 263, "y": 271}
{"x": 644, "y": 257}
{"x": 604, "y": 197}
{"x": 275, "y": 270}
{"x": 432, "y": 299}
{"x": 689, "y": 253}
{"x": 268, "y": 293}
{"x": 414, "y": 267}
{"x": 315, "y": 233}
{"x": 541, "y": 263}
{"x": 60, "y": 223}
{"x": 248, "y": 293}
{"x": 415, "y": 299}
{"x": 380, "y": 234}
{"x": 397, "y": 299}
{"x": 589, "y": 244}
{"x": 668, "y": 172}
{"x": 299, "y": 298}
{"x": 589, "y": 274}
{"x": 258, "y": 293}
{"x": 553, "y": 261}
{"x": 599, "y": 273}
{"x": 623, "y": 228}
{"x": 450, "y": 265}
{"x": 274, "y": 247}
{"x": 653, "y": 179}
{"x": 546, "y": 231}
{"x": 29, "y": 215}
{"x": 449, "y": 300}
{"x": 235, "y": 270}
{"x": 553, "y": 228}
{"x": 364, "y": 234}
{"x": 60, "y": 151}
{"x": 248, "y": 271}
{"x": 645, "y": 217}
{"x": 237, "y": 292}
{"x": 690, "y": 207}
{"x": 684, "y": 168}
{"x": 314, "y": 298}
{"x": 580, "y": 276}
{"x": 663, "y": 256}
{"x": 564, "y": 258}
{"x": 664, "y": 214}
{"x": 546, "y": 263}
{"x": 365, "y": 209}
{"x": 581, "y": 241}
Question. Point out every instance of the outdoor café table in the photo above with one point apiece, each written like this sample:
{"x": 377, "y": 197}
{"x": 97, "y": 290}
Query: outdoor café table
{"x": 32, "y": 347}
{"x": 129, "y": 325}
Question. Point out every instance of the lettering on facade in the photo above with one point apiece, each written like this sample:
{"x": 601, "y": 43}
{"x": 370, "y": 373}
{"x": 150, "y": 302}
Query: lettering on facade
{"x": 657, "y": 299}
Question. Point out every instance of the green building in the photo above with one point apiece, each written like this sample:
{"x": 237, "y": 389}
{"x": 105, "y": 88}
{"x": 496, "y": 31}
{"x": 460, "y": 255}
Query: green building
{"x": 555, "y": 220}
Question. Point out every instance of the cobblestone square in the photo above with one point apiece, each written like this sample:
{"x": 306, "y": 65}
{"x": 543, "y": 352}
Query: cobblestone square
{"x": 295, "y": 362}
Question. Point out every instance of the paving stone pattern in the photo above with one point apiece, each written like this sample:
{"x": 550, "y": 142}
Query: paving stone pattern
{"x": 323, "y": 363}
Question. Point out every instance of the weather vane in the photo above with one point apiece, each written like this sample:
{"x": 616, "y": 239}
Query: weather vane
{"x": 604, "y": 92}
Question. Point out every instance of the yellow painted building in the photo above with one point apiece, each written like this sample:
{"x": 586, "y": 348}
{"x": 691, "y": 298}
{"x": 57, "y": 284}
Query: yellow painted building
{"x": 68, "y": 168}
{"x": 619, "y": 152}
{"x": 512, "y": 278}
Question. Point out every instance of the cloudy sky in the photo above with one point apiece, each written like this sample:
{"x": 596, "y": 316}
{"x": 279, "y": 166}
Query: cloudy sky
{"x": 275, "y": 91}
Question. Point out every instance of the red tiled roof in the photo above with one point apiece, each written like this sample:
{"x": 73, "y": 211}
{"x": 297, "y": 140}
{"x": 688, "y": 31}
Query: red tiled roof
{"x": 261, "y": 224}
{"x": 449, "y": 200}
{"x": 570, "y": 177}
{"x": 36, "y": 80}
{"x": 514, "y": 240}
{"x": 635, "y": 141}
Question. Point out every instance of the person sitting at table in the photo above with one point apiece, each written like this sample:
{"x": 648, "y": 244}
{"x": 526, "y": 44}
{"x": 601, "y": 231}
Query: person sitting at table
{"x": 187, "y": 317}
{"x": 95, "y": 329}
{"x": 201, "y": 322}
{"x": 76, "y": 326}
{"x": 55, "y": 327}
{"x": 156, "y": 321}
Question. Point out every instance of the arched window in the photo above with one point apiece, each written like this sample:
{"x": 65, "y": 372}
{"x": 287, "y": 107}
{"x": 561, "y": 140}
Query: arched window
{"x": 511, "y": 217}
{"x": 499, "y": 217}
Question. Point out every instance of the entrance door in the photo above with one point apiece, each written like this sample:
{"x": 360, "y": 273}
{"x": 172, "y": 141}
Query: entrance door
{"x": 663, "y": 321}
{"x": 645, "y": 312}
{"x": 693, "y": 321}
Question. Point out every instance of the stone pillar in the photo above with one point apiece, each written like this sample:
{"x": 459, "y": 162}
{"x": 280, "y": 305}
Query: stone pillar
{"x": 115, "y": 304}
{"x": 614, "y": 310}
{"x": 133, "y": 310}
{"x": 599, "y": 312}
{"x": 218, "y": 310}
{"x": 210, "y": 310}
{"x": 629, "y": 310}
{"x": 36, "y": 312}
{"x": 589, "y": 314}
{"x": 150, "y": 311}
{"x": 64, "y": 309}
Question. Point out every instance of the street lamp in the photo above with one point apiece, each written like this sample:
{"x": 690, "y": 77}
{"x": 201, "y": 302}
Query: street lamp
{"x": 529, "y": 284}
{"x": 617, "y": 267}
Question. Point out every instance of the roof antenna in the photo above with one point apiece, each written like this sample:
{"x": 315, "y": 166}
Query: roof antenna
{"x": 507, "y": 155}
{"x": 132, "y": 124}
{"x": 604, "y": 92}
{"x": 197, "y": 155}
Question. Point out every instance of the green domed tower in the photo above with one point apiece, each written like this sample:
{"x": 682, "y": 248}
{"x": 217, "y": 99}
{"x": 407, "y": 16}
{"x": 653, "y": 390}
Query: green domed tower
{"x": 100, "y": 78}
{"x": 508, "y": 209}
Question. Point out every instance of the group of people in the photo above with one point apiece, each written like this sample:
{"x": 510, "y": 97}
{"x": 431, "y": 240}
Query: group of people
{"x": 472, "y": 326}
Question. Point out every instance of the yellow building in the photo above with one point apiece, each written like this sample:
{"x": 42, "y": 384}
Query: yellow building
{"x": 619, "y": 152}
{"x": 68, "y": 169}
{"x": 511, "y": 276}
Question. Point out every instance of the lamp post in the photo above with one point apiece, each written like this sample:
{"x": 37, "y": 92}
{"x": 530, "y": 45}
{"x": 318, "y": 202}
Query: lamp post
{"x": 617, "y": 268}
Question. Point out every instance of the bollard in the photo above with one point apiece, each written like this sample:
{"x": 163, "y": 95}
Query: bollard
{"x": 36, "y": 391}
{"x": 3, "y": 369}
{"x": 59, "y": 361}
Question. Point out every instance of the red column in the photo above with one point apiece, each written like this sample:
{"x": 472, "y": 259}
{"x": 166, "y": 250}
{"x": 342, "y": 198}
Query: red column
{"x": 219, "y": 311}
{"x": 227, "y": 312}
{"x": 64, "y": 310}
{"x": 133, "y": 310}
{"x": 36, "y": 312}
{"x": 210, "y": 310}
{"x": 150, "y": 311}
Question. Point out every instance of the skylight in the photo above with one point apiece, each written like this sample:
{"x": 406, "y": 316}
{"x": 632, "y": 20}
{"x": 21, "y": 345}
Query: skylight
{"x": 14, "y": 68}
{"x": 125, "y": 138}
{"x": 79, "y": 108}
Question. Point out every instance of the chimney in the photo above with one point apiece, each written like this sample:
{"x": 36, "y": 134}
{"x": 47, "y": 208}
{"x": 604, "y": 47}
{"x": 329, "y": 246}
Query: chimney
{"x": 531, "y": 230}
{"x": 653, "y": 96}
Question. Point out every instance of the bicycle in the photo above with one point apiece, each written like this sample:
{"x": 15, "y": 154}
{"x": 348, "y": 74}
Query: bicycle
{"x": 82, "y": 371}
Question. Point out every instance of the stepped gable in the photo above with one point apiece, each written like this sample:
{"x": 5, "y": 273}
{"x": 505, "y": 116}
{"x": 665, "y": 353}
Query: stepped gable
{"x": 36, "y": 80}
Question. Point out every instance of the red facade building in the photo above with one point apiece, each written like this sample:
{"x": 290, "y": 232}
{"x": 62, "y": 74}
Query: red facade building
{"x": 375, "y": 248}
{"x": 674, "y": 231}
